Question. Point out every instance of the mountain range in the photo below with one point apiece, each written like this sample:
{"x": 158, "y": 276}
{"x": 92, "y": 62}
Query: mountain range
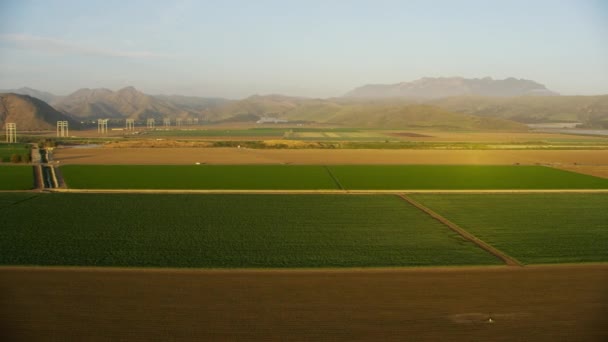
{"x": 432, "y": 88}
{"x": 451, "y": 103}
{"x": 131, "y": 103}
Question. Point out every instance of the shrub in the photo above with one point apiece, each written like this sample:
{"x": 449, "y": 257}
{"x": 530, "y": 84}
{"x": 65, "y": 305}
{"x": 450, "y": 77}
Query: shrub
{"x": 16, "y": 158}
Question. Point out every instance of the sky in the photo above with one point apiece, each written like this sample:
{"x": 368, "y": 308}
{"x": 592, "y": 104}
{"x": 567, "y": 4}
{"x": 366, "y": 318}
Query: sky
{"x": 310, "y": 48}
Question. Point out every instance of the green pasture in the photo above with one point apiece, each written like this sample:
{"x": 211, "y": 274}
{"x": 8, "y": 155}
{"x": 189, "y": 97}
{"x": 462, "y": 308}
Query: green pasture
{"x": 461, "y": 177}
{"x": 261, "y": 132}
{"x": 533, "y": 228}
{"x": 226, "y": 231}
{"x": 13, "y": 198}
{"x": 16, "y": 177}
{"x": 268, "y": 177}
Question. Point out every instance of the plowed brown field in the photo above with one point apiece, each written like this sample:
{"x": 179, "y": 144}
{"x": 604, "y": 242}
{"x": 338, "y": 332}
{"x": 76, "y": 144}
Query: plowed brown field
{"x": 534, "y": 303}
{"x": 592, "y": 162}
{"x": 322, "y": 156}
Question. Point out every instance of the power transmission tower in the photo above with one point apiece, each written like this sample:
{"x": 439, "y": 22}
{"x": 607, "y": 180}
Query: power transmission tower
{"x": 11, "y": 132}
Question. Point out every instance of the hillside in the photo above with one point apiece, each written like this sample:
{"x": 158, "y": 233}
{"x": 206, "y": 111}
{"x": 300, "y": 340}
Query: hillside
{"x": 130, "y": 103}
{"x": 193, "y": 103}
{"x": 591, "y": 111}
{"x": 255, "y": 107}
{"x": 416, "y": 116}
{"x": 365, "y": 114}
{"x": 30, "y": 113}
{"x": 431, "y": 88}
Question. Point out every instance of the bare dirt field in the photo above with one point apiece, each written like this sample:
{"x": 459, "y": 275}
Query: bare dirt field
{"x": 324, "y": 156}
{"x": 519, "y": 137}
{"x": 533, "y": 303}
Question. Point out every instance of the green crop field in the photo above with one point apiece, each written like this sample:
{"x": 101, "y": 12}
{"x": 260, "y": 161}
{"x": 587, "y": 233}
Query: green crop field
{"x": 197, "y": 177}
{"x": 351, "y": 177}
{"x": 341, "y": 136}
{"x": 12, "y": 198}
{"x": 230, "y": 231}
{"x": 16, "y": 177}
{"x": 7, "y": 150}
{"x": 533, "y": 228}
{"x": 452, "y": 177}
{"x": 261, "y": 132}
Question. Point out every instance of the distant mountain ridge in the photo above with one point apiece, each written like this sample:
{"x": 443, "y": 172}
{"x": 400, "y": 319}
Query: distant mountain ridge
{"x": 433, "y": 88}
{"x": 129, "y": 102}
{"x": 42, "y": 95}
{"x": 454, "y": 112}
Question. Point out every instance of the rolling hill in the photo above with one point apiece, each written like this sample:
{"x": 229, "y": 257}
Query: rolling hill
{"x": 364, "y": 114}
{"x": 590, "y": 111}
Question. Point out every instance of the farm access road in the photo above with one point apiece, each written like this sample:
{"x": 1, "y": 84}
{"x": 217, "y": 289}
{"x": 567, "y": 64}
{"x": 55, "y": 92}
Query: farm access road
{"x": 507, "y": 259}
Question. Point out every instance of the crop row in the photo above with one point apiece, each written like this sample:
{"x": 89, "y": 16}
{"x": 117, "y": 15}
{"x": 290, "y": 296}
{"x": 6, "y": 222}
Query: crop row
{"x": 533, "y": 228}
{"x": 297, "y": 230}
{"x": 226, "y": 231}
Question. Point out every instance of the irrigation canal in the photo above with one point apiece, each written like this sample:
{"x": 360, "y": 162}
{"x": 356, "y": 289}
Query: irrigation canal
{"x": 46, "y": 177}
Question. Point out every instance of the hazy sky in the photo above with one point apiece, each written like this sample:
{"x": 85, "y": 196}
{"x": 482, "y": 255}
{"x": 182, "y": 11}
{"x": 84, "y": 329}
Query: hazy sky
{"x": 308, "y": 48}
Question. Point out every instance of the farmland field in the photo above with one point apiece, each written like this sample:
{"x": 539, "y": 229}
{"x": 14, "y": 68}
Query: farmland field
{"x": 12, "y": 198}
{"x": 197, "y": 177}
{"x": 311, "y": 177}
{"x": 228, "y": 231}
{"x": 533, "y": 228}
{"x": 534, "y": 303}
{"x": 7, "y": 150}
{"x": 187, "y": 156}
{"x": 473, "y": 177}
{"x": 16, "y": 177}
{"x": 252, "y": 132}
{"x": 340, "y": 136}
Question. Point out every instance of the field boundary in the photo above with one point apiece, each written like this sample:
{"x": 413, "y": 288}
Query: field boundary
{"x": 331, "y": 174}
{"x": 20, "y": 201}
{"x": 510, "y": 261}
{"x": 310, "y": 270}
{"x": 326, "y": 191}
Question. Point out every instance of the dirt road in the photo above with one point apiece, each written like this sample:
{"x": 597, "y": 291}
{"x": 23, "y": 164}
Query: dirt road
{"x": 507, "y": 259}
{"x": 533, "y": 303}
